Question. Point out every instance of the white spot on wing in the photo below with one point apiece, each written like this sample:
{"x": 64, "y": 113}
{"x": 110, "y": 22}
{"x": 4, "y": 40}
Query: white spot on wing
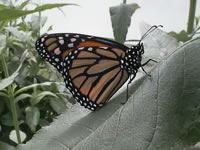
{"x": 76, "y": 36}
{"x": 73, "y": 39}
{"x": 57, "y": 51}
{"x": 70, "y": 45}
{"x": 90, "y": 49}
{"x": 61, "y": 42}
{"x": 81, "y": 48}
{"x": 56, "y": 59}
{"x": 104, "y": 47}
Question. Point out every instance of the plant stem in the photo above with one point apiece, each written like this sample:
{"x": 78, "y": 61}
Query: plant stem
{"x": 191, "y": 16}
{"x": 124, "y": 1}
{"x": 12, "y": 102}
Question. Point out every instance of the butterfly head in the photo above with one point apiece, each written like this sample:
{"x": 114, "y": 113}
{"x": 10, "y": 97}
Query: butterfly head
{"x": 138, "y": 49}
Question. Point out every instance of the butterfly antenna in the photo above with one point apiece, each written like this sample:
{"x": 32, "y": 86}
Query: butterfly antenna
{"x": 151, "y": 29}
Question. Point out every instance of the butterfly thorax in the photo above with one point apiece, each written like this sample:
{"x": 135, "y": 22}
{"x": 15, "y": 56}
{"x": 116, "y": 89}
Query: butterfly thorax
{"x": 133, "y": 58}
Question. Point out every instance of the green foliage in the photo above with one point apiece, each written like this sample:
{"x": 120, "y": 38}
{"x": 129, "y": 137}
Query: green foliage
{"x": 26, "y": 106}
{"x": 8, "y": 14}
{"x": 184, "y": 35}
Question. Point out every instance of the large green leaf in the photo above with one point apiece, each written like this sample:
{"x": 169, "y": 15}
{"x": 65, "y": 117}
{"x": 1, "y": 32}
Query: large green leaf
{"x": 158, "y": 115}
{"x": 121, "y": 20}
{"x": 5, "y": 146}
{"x": 12, "y": 13}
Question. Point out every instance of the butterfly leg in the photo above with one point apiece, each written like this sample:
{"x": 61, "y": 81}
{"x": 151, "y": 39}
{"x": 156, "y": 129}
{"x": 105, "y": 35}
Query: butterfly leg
{"x": 148, "y": 62}
{"x": 145, "y": 72}
{"x": 145, "y": 64}
{"x": 131, "y": 79}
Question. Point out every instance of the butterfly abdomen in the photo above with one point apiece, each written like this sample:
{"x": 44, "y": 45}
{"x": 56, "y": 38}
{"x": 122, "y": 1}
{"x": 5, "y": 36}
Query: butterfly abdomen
{"x": 93, "y": 74}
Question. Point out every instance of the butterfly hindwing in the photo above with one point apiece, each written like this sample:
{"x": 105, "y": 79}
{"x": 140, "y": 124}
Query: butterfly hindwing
{"x": 93, "y": 74}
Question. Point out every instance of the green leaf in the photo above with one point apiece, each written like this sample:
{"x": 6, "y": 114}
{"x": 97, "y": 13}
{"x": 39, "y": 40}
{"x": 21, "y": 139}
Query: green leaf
{"x": 37, "y": 22}
{"x": 7, "y": 81}
{"x": 11, "y": 13}
{"x": 25, "y": 3}
{"x": 43, "y": 122}
{"x": 13, "y": 64}
{"x": 58, "y": 105}
{"x": 181, "y": 36}
{"x": 2, "y": 108}
{"x": 33, "y": 86}
{"x": 32, "y": 117}
{"x": 34, "y": 69}
{"x": 22, "y": 97}
{"x": 6, "y": 120}
{"x": 5, "y": 146}
{"x": 3, "y": 24}
{"x": 158, "y": 115}
{"x": 41, "y": 95}
{"x": 2, "y": 42}
{"x": 24, "y": 71}
{"x": 3, "y": 94}
{"x": 121, "y": 20}
{"x": 20, "y": 35}
{"x": 50, "y": 28}
{"x": 3, "y": 6}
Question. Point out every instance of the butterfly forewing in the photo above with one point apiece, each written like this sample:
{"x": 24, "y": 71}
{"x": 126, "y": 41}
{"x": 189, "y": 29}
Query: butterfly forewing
{"x": 54, "y": 47}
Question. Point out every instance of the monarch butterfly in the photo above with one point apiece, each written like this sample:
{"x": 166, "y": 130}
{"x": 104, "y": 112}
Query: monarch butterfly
{"x": 93, "y": 68}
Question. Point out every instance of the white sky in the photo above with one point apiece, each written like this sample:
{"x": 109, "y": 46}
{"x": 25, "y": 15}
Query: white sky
{"x": 92, "y": 16}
